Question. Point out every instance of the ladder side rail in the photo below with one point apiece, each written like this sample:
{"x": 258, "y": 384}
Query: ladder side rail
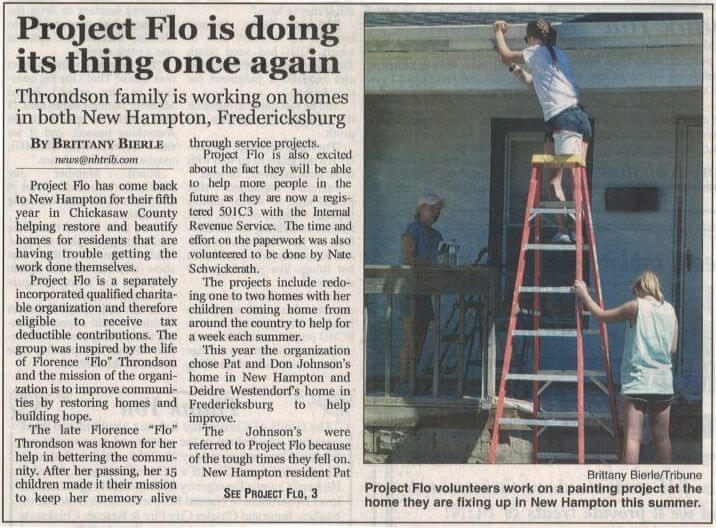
{"x": 513, "y": 315}
{"x": 577, "y": 186}
{"x": 603, "y": 325}
{"x": 536, "y": 340}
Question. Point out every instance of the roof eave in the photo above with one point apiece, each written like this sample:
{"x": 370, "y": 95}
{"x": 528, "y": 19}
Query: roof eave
{"x": 573, "y": 35}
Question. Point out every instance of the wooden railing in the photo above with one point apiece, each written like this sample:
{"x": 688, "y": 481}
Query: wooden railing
{"x": 477, "y": 283}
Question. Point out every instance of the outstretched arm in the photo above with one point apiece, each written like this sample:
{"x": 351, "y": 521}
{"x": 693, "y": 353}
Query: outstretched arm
{"x": 620, "y": 313}
{"x": 503, "y": 51}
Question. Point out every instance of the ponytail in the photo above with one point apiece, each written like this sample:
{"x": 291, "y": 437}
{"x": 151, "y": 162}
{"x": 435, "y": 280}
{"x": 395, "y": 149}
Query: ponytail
{"x": 551, "y": 52}
{"x": 543, "y": 30}
{"x": 551, "y": 42}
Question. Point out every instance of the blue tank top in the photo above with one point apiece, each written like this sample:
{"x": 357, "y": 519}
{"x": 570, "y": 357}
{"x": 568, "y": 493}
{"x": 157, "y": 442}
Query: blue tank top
{"x": 426, "y": 240}
{"x": 646, "y": 360}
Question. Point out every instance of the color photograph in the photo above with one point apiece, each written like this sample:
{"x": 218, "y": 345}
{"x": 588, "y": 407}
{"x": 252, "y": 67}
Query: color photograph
{"x": 534, "y": 238}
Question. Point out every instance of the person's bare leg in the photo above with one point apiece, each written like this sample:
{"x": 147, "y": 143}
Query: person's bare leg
{"x": 585, "y": 148}
{"x": 405, "y": 349}
{"x": 659, "y": 415}
{"x": 555, "y": 189}
{"x": 419, "y": 332}
{"x": 633, "y": 423}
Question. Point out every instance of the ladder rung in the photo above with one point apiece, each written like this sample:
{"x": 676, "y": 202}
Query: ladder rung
{"x": 538, "y": 422}
{"x": 530, "y": 311}
{"x": 592, "y": 417}
{"x": 587, "y": 373}
{"x": 555, "y": 210}
{"x": 546, "y": 289}
{"x": 595, "y": 373}
{"x": 555, "y": 332}
{"x": 573, "y": 456}
{"x": 556, "y": 247}
{"x": 543, "y": 376}
{"x": 557, "y": 205}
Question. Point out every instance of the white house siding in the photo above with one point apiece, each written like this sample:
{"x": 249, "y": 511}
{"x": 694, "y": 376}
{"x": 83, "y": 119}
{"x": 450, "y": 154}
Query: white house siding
{"x": 441, "y": 143}
{"x": 469, "y": 71}
{"x": 611, "y": 56}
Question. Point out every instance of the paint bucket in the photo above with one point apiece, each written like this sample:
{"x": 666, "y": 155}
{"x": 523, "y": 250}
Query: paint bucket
{"x": 567, "y": 142}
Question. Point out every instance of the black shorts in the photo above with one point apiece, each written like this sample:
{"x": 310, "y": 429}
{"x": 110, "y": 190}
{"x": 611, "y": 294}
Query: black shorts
{"x": 573, "y": 119}
{"x": 424, "y": 312}
{"x": 650, "y": 399}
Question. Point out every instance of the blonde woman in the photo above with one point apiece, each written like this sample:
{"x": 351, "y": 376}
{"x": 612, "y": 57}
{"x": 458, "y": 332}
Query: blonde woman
{"x": 646, "y": 378}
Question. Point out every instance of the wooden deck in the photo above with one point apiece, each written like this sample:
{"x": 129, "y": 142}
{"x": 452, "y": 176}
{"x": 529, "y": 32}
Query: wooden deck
{"x": 477, "y": 282}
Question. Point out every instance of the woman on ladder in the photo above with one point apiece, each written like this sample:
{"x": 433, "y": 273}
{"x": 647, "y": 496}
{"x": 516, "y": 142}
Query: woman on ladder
{"x": 647, "y": 381}
{"x": 550, "y": 76}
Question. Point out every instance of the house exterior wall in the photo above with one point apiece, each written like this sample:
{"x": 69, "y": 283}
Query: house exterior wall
{"x": 461, "y": 59}
{"x": 415, "y": 143}
{"x": 466, "y": 71}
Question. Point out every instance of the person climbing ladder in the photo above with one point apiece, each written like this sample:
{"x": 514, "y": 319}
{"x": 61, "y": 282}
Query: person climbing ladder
{"x": 567, "y": 128}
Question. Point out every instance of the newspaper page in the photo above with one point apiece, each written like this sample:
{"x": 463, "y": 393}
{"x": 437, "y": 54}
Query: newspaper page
{"x": 338, "y": 263}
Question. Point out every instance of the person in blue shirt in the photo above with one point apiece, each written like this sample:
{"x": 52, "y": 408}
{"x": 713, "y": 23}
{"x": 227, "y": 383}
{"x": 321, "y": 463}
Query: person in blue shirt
{"x": 550, "y": 76}
{"x": 646, "y": 377}
{"x": 419, "y": 247}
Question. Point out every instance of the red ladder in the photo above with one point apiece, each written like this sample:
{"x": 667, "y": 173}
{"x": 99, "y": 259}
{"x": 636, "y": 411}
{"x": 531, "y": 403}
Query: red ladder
{"x": 539, "y": 421}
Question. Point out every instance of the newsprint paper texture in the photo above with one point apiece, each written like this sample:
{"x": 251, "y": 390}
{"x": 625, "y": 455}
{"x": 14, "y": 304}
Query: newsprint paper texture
{"x": 259, "y": 263}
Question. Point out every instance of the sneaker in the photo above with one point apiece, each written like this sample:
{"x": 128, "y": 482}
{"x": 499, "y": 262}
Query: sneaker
{"x": 562, "y": 238}
{"x": 573, "y": 237}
